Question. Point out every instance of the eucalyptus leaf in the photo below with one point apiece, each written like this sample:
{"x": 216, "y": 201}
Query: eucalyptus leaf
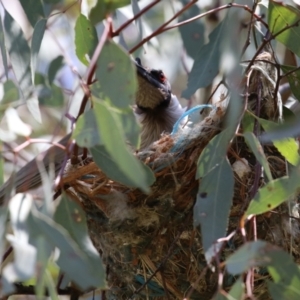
{"x": 24, "y": 263}
{"x": 86, "y": 132}
{"x": 116, "y": 75}
{"x": 110, "y": 130}
{"x": 213, "y": 203}
{"x": 139, "y": 23}
{"x": 281, "y": 16}
{"x": 258, "y": 151}
{"x": 293, "y": 79}
{"x": 104, "y": 8}
{"x": 33, "y": 10}
{"x": 11, "y": 92}
{"x": 207, "y": 61}
{"x": 55, "y": 65}
{"x": 73, "y": 219}
{"x": 192, "y": 34}
{"x": 37, "y": 37}
{"x": 72, "y": 259}
{"x": 274, "y": 193}
{"x": 3, "y": 49}
{"x": 251, "y": 254}
{"x": 288, "y": 147}
{"x": 19, "y": 53}
{"x": 86, "y": 39}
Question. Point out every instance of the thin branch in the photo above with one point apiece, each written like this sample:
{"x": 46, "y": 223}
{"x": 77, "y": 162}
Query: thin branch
{"x": 160, "y": 29}
{"x": 145, "y": 9}
{"x": 214, "y": 10}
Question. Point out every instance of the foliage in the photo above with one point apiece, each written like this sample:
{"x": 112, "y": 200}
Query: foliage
{"x": 70, "y": 66}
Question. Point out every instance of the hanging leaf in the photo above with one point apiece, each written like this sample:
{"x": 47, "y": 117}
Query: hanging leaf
{"x": 281, "y": 16}
{"x": 274, "y": 193}
{"x": 258, "y": 152}
{"x": 11, "y": 92}
{"x": 116, "y": 75}
{"x": 72, "y": 259}
{"x": 37, "y": 37}
{"x": 293, "y": 79}
{"x": 55, "y": 65}
{"x": 33, "y": 10}
{"x": 136, "y": 10}
{"x": 192, "y": 34}
{"x": 288, "y": 147}
{"x": 19, "y": 53}
{"x": 3, "y": 49}
{"x": 110, "y": 130}
{"x": 71, "y": 216}
{"x": 103, "y": 8}
{"x": 213, "y": 203}
{"x": 207, "y": 61}
{"x": 24, "y": 264}
{"x": 86, "y": 39}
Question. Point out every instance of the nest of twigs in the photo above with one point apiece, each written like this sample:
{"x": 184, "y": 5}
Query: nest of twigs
{"x": 148, "y": 242}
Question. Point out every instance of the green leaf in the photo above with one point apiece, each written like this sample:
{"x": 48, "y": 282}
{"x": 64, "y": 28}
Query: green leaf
{"x": 3, "y": 49}
{"x": 51, "y": 96}
{"x": 33, "y": 10}
{"x": 72, "y": 259}
{"x": 116, "y": 75}
{"x": 37, "y": 37}
{"x": 3, "y": 222}
{"x": 207, "y": 61}
{"x": 192, "y": 34}
{"x": 279, "y": 291}
{"x": 258, "y": 151}
{"x": 71, "y": 216}
{"x": 237, "y": 291}
{"x": 110, "y": 131}
{"x": 86, "y": 133}
{"x": 288, "y": 147}
{"x": 290, "y": 128}
{"x": 19, "y": 53}
{"x": 293, "y": 79}
{"x": 213, "y": 203}
{"x": 285, "y": 273}
{"x": 86, "y": 39}
{"x": 281, "y": 16}
{"x": 33, "y": 106}
{"x": 11, "y": 92}
{"x": 286, "y": 277}
{"x": 139, "y": 22}
{"x": 54, "y": 67}
{"x": 103, "y": 8}
{"x": 213, "y": 153}
{"x": 250, "y": 255}
{"x": 274, "y": 193}
{"x": 24, "y": 263}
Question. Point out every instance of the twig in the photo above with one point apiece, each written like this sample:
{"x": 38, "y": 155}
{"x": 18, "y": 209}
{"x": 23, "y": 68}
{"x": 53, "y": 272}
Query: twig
{"x": 160, "y": 29}
{"x": 123, "y": 26}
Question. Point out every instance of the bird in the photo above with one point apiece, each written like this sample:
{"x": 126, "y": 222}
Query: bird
{"x": 156, "y": 109}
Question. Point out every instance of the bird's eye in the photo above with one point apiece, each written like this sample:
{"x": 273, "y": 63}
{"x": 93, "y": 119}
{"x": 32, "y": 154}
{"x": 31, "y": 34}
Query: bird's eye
{"x": 161, "y": 76}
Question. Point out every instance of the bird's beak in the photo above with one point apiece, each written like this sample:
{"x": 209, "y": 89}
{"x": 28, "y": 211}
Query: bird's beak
{"x": 150, "y": 93}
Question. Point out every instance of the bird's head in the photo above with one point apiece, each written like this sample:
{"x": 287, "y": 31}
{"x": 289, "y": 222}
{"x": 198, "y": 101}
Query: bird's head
{"x": 157, "y": 109}
{"x": 154, "y": 89}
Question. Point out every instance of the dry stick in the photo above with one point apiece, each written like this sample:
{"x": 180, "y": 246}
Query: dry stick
{"x": 230, "y": 5}
{"x": 266, "y": 41}
{"x": 161, "y": 28}
{"x": 248, "y": 40}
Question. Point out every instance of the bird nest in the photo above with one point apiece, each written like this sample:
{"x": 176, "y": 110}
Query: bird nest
{"x": 148, "y": 242}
